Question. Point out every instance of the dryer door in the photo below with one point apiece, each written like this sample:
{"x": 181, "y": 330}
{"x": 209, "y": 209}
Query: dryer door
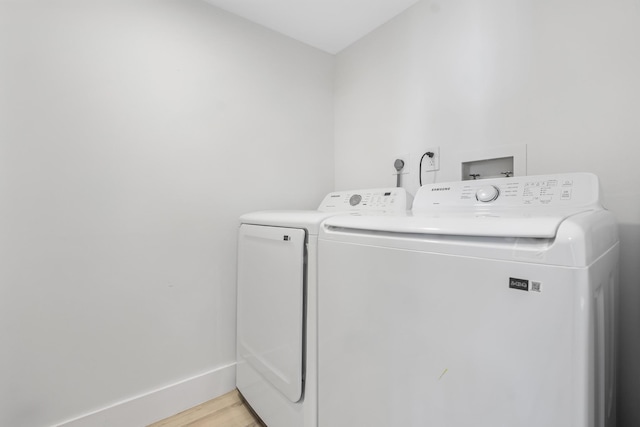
{"x": 271, "y": 264}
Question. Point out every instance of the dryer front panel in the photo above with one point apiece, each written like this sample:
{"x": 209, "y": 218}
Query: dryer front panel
{"x": 271, "y": 264}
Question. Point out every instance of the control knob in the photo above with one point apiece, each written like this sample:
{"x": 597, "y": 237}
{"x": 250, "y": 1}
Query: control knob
{"x": 488, "y": 193}
{"x": 355, "y": 199}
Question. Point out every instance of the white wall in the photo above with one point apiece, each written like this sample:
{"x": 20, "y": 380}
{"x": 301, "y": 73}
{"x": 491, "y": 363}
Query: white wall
{"x": 132, "y": 135}
{"x": 561, "y": 76}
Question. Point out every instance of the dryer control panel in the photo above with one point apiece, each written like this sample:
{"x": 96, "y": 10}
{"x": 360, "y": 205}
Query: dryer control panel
{"x": 381, "y": 199}
{"x": 560, "y": 191}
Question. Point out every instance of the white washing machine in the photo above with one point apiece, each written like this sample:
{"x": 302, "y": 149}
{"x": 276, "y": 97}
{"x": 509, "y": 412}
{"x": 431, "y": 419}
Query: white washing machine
{"x": 491, "y": 305}
{"x": 276, "y": 305}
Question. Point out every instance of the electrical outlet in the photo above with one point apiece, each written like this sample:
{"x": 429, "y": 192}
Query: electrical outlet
{"x": 431, "y": 163}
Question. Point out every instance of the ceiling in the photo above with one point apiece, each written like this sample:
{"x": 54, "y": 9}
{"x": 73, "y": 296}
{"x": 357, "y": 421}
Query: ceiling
{"x": 329, "y": 25}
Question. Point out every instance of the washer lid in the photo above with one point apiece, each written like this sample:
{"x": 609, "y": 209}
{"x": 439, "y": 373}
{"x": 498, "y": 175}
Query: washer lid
{"x": 456, "y": 223}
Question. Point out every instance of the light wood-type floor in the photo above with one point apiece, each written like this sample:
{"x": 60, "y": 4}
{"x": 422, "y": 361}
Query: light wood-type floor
{"x": 228, "y": 410}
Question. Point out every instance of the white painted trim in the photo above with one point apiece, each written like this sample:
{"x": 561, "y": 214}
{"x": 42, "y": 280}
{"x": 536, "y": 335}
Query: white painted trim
{"x": 161, "y": 403}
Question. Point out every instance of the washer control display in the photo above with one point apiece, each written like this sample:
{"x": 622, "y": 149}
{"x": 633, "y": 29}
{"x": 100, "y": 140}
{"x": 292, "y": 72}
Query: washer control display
{"x": 527, "y": 192}
{"x": 561, "y": 190}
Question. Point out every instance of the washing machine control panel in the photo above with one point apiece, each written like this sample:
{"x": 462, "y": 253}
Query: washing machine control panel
{"x": 562, "y": 190}
{"x": 381, "y": 199}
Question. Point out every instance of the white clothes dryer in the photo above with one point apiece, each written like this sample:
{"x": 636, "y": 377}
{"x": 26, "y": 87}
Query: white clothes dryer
{"x": 276, "y": 303}
{"x": 492, "y": 304}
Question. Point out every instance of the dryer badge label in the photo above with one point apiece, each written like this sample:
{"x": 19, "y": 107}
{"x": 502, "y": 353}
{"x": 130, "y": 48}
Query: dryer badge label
{"x": 520, "y": 284}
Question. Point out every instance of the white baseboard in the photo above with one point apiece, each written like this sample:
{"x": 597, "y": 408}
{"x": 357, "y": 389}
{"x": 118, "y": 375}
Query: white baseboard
{"x": 161, "y": 403}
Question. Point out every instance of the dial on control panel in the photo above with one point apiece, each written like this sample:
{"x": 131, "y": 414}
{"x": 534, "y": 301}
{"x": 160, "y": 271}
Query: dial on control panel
{"x": 355, "y": 199}
{"x": 488, "y": 193}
